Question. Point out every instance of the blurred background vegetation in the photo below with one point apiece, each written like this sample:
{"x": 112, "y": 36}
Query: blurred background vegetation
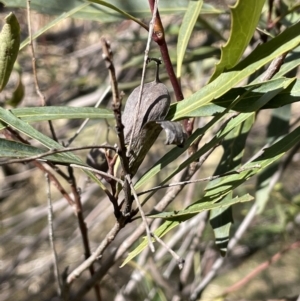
{"x": 71, "y": 72}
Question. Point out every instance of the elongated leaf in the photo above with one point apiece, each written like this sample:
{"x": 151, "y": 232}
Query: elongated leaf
{"x": 263, "y": 54}
{"x": 271, "y": 91}
{"x": 9, "y": 48}
{"x": 244, "y": 19}
{"x": 177, "y": 217}
{"x": 120, "y": 11}
{"x": 10, "y": 119}
{"x": 269, "y": 155}
{"x": 13, "y": 149}
{"x": 284, "y": 91}
{"x": 205, "y": 203}
{"x": 52, "y": 113}
{"x": 186, "y": 28}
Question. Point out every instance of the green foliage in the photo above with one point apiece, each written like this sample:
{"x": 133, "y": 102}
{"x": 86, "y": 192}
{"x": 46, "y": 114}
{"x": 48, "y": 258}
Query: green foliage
{"x": 243, "y": 26}
{"x": 262, "y": 55}
{"x": 235, "y": 94}
{"x": 189, "y": 20}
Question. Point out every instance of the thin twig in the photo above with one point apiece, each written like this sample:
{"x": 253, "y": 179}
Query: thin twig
{"x": 51, "y": 237}
{"x": 159, "y": 37}
{"x": 95, "y": 255}
{"x": 104, "y": 174}
{"x": 210, "y": 178}
{"x": 146, "y": 59}
{"x": 193, "y": 248}
{"x": 12, "y": 133}
{"x": 55, "y": 151}
{"x": 37, "y": 87}
{"x": 150, "y": 243}
{"x": 117, "y": 105}
{"x": 36, "y": 82}
{"x": 274, "y": 67}
{"x": 166, "y": 200}
{"x": 180, "y": 261}
{"x": 82, "y": 227}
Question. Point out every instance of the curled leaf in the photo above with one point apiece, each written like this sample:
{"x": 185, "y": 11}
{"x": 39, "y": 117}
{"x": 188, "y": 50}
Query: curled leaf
{"x": 9, "y": 48}
{"x": 175, "y": 133}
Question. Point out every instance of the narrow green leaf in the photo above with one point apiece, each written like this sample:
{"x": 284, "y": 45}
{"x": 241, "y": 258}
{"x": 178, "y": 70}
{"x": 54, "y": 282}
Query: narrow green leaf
{"x": 259, "y": 97}
{"x": 160, "y": 232}
{"x": 263, "y": 54}
{"x": 53, "y": 113}
{"x": 186, "y": 28}
{"x": 205, "y": 203}
{"x": 7, "y": 117}
{"x": 9, "y": 48}
{"x": 34, "y": 114}
{"x": 120, "y": 11}
{"x": 13, "y": 149}
{"x": 281, "y": 91}
{"x": 268, "y": 156}
{"x": 244, "y": 19}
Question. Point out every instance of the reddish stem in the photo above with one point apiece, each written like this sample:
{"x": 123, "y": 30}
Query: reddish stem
{"x": 159, "y": 37}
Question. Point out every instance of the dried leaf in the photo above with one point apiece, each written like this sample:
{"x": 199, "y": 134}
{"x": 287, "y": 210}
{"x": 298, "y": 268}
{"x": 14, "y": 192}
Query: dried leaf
{"x": 175, "y": 133}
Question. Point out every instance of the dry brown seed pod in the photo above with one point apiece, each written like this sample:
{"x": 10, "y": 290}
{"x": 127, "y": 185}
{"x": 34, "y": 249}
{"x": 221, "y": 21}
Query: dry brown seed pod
{"x": 148, "y": 117}
{"x": 154, "y": 106}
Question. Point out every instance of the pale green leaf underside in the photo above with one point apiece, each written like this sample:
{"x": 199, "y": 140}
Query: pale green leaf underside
{"x": 186, "y": 28}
